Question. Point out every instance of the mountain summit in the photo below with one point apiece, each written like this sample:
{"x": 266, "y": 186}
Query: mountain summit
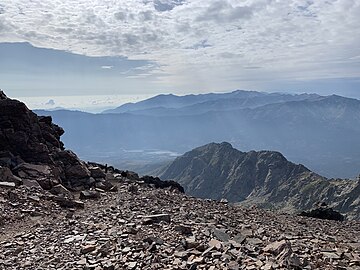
{"x": 265, "y": 178}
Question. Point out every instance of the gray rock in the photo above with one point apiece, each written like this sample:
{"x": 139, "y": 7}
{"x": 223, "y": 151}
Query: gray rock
{"x": 7, "y": 184}
{"x": 96, "y": 172}
{"x": 89, "y": 194}
{"x": 7, "y": 176}
{"x": 158, "y": 218}
{"x": 221, "y": 235}
{"x": 61, "y": 190}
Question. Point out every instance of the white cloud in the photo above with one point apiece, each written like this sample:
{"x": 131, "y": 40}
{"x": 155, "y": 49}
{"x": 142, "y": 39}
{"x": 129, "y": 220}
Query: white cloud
{"x": 50, "y": 102}
{"x": 201, "y": 42}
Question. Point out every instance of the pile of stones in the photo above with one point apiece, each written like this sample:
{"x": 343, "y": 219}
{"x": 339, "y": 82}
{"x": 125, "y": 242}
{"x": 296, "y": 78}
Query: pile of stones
{"x": 140, "y": 226}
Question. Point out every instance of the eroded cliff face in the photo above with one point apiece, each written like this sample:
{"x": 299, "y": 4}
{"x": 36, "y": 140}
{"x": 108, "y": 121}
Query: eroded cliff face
{"x": 30, "y": 147}
{"x": 264, "y": 178}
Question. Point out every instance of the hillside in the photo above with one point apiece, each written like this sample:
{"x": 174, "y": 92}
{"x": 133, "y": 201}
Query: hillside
{"x": 295, "y": 125}
{"x": 264, "y": 178}
{"x": 140, "y": 227}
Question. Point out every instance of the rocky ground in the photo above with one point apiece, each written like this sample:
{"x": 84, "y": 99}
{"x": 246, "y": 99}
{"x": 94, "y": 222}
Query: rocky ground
{"x": 141, "y": 227}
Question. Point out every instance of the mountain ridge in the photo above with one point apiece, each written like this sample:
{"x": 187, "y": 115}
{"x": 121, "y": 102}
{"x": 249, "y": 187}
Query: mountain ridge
{"x": 326, "y": 127}
{"x": 264, "y": 178}
{"x": 171, "y": 101}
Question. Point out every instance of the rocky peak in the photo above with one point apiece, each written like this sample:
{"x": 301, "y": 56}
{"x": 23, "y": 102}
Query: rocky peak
{"x": 264, "y": 178}
{"x": 2, "y": 95}
{"x": 31, "y": 148}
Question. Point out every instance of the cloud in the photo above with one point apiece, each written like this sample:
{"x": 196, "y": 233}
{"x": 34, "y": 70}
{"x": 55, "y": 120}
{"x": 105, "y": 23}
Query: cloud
{"x": 223, "y": 11}
{"x": 167, "y": 5}
{"x": 2, "y": 9}
{"x": 50, "y": 102}
{"x": 199, "y": 41}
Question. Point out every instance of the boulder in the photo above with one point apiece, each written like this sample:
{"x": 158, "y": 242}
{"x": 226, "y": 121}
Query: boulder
{"x": 7, "y": 176}
{"x": 106, "y": 186}
{"x": 162, "y": 184}
{"x": 89, "y": 194}
{"x": 96, "y": 172}
{"x": 31, "y": 183}
{"x": 61, "y": 190}
{"x": 77, "y": 171}
{"x": 43, "y": 174}
{"x": 130, "y": 175}
{"x": 26, "y": 170}
{"x": 324, "y": 213}
{"x": 7, "y": 159}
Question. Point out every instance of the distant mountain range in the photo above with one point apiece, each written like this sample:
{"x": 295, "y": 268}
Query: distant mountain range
{"x": 264, "y": 178}
{"x": 322, "y": 132}
{"x": 202, "y": 103}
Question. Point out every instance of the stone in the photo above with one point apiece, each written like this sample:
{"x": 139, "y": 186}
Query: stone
{"x": 253, "y": 241}
{"x": 87, "y": 249}
{"x": 89, "y": 194}
{"x": 7, "y": 176}
{"x": 43, "y": 174}
{"x": 331, "y": 255}
{"x": 96, "y": 172}
{"x": 183, "y": 229}
{"x": 106, "y": 186}
{"x": 77, "y": 171}
{"x": 67, "y": 202}
{"x": 133, "y": 189}
{"x": 155, "y": 240}
{"x": 7, "y": 184}
{"x": 221, "y": 235}
{"x": 224, "y": 201}
{"x": 81, "y": 262}
{"x": 239, "y": 238}
{"x": 61, "y": 190}
{"x": 158, "y": 218}
{"x": 31, "y": 183}
{"x": 215, "y": 243}
{"x": 277, "y": 247}
{"x": 157, "y": 183}
{"x": 324, "y": 213}
{"x": 233, "y": 266}
{"x": 191, "y": 243}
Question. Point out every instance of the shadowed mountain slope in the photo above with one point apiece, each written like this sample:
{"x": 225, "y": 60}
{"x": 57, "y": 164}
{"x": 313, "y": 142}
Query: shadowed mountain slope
{"x": 265, "y": 178}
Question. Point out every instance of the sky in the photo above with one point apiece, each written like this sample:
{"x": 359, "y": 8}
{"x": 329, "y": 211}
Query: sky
{"x": 56, "y": 49}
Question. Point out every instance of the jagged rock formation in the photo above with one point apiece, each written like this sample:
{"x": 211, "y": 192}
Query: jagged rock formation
{"x": 31, "y": 150}
{"x": 263, "y": 178}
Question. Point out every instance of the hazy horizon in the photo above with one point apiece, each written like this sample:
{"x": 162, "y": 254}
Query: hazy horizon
{"x": 100, "y": 103}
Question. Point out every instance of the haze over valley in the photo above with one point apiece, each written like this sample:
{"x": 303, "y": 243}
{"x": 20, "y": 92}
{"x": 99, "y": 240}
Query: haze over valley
{"x": 317, "y": 131}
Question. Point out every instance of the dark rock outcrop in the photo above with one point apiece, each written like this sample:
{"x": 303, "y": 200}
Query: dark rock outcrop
{"x": 162, "y": 184}
{"x": 323, "y": 213}
{"x": 31, "y": 148}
